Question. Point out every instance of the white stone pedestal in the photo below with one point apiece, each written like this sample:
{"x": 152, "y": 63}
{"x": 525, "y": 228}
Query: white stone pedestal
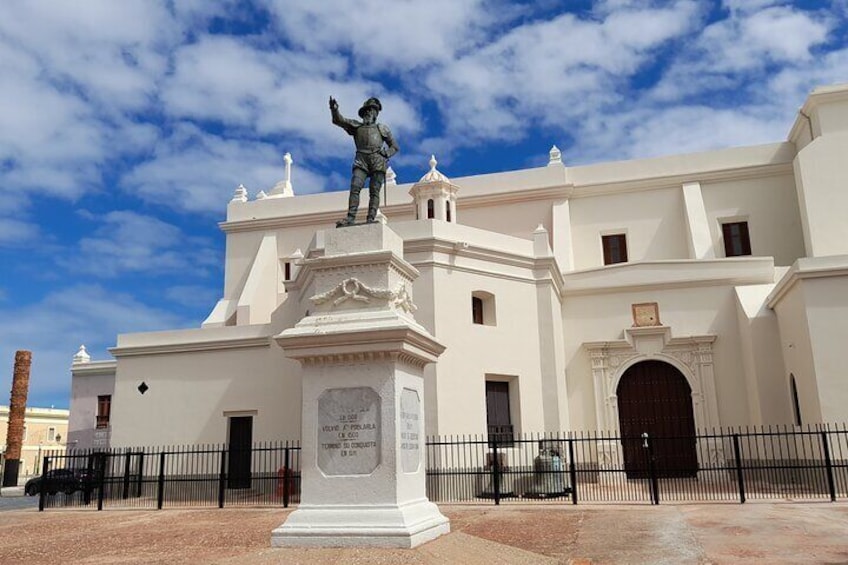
{"x": 363, "y": 357}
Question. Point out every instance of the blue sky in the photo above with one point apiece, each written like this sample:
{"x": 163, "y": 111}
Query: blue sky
{"x": 126, "y": 126}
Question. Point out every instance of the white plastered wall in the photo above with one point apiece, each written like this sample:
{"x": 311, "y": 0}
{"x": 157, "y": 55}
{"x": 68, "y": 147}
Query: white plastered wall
{"x": 704, "y": 311}
{"x": 189, "y": 394}
{"x": 811, "y": 315}
{"x": 653, "y": 221}
{"x": 770, "y": 207}
{"x": 759, "y": 340}
{"x": 797, "y": 351}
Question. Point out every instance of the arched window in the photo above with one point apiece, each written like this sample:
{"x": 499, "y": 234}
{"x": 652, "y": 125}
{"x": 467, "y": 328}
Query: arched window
{"x": 796, "y": 406}
{"x": 448, "y": 210}
{"x": 431, "y": 209}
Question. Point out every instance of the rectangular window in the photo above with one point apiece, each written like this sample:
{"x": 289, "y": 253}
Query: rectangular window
{"x": 615, "y": 248}
{"x": 498, "y": 421}
{"x": 51, "y": 434}
{"x": 287, "y": 268}
{"x": 477, "y": 310}
{"x": 24, "y": 436}
{"x": 104, "y": 408}
{"x": 737, "y": 243}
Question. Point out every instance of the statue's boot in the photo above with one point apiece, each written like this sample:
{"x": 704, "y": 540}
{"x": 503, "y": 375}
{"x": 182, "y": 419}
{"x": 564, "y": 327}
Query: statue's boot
{"x": 373, "y": 206}
{"x": 352, "y": 207}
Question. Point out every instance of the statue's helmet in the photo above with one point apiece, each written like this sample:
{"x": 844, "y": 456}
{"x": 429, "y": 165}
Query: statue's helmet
{"x": 370, "y": 103}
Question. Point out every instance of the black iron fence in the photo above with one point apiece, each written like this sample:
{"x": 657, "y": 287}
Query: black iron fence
{"x": 736, "y": 465}
{"x": 264, "y": 474}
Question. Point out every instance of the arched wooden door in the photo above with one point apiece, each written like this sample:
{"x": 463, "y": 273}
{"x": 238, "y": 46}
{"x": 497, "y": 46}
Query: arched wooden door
{"x": 655, "y": 398}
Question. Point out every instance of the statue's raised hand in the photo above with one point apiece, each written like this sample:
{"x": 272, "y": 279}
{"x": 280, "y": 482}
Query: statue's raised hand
{"x": 333, "y": 104}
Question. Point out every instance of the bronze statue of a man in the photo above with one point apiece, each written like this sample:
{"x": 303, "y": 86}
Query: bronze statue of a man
{"x": 374, "y": 146}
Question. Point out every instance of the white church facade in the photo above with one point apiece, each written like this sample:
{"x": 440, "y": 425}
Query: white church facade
{"x": 691, "y": 292}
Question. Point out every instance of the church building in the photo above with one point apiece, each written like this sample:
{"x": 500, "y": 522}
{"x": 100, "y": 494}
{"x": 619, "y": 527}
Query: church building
{"x": 676, "y": 293}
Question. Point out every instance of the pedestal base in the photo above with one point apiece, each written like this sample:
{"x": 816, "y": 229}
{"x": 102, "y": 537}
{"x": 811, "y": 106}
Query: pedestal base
{"x": 404, "y": 526}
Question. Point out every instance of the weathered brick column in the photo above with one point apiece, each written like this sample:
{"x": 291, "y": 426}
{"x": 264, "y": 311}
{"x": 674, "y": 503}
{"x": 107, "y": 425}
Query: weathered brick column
{"x": 17, "y": 408}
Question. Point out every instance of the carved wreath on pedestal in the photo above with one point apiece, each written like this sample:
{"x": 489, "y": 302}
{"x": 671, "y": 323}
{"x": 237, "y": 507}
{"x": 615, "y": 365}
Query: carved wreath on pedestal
{"x": 354, "y": 289}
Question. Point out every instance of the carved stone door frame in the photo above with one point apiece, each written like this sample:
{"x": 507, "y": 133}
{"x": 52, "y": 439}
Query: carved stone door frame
{"x": 692, "y": 356}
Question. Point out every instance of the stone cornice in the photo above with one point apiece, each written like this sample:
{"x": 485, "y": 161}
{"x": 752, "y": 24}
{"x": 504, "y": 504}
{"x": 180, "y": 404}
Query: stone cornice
{"x": 624, "y": 345}
{"x": 317, "y": 219}
{"x": 806, "y": 269}
{"x": 402, "y": 342}
{"x": 191, "y": 347}
{"x": 652, "y": 275}
{"x": 547, "y": 265}
{"x": 676, "y": 181}
{"x": 556, "y": 191}
{"x": 551, "y": 192}
{"x": 94, "y": 368}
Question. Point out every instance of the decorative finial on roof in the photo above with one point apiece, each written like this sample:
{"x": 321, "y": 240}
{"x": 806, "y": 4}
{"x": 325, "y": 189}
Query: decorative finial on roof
{"x": 434, "y": 175}
{"x": 391, "y": 176}
{"x": 240, "y": 195}
{"x": 555, "y": 156}
{"x": 284, "y": 187}
{"x": 82, "y": 355}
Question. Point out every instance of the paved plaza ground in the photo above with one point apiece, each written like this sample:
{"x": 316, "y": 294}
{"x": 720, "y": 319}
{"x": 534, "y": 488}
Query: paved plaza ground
{"x": 772, "y": 533}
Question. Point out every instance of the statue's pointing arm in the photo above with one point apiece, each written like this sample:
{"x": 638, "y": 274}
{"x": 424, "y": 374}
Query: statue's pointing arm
{"x": 348, "y": 125}
{"x": 391, "y": 144}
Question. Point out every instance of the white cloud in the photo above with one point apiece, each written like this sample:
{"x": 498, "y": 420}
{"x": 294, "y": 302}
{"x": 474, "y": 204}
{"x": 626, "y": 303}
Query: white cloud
{"x": 553, "y": 71}
{"x": 729, "y": 53}
{"x": 15, "y": 232}
{"x": 399, "y": 35}
{"x": 129, "y": 242}
{"x": 649, "y": 132}
{"x": 110, "y": 51}
{"x": 71, "y": 73}
{"x": 272, "y": 92}
{"x": 793, "y": 84}
{"x": 193, "y": 295}
{"x": 54, "y": 328}
{"x": 197, "y": 172}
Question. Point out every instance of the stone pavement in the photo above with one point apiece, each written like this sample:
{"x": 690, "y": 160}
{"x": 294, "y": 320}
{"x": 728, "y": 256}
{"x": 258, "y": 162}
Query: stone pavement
{"x": 758, "y": 532}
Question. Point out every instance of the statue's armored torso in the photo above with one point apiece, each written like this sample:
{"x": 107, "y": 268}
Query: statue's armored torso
{"x": 368, "y": 138}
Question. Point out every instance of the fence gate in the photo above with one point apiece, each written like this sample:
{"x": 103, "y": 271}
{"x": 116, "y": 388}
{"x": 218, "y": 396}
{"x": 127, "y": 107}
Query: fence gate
{"x": 654, "y": 398}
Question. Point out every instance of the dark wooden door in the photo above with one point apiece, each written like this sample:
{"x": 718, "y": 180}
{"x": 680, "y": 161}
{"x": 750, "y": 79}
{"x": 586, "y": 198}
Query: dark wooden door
{"x": 497, "y": 413}
{"x": 654, "y": 398}
{"x": 239, "y": 454}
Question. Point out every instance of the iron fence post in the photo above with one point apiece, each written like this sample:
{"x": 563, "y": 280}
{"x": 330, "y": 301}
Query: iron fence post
{"x": 737, "y": 453}
{"x": 42, "y": 493}
{"x": 160, "y": 495}
{"x": 572, "y": 470}
{"x": 496, "y": 472}
{"x": 222, "y": 478}
{"x": 286, "y": 479}
{"x": 140, "y": 473}
{"x": 126, "y": 493}
{"x": 828, "y": 466}
{"x": 101, "y": 479}
{"x": 652, "y": 472}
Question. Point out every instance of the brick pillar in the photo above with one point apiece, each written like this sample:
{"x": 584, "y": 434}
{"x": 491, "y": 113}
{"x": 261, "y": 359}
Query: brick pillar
{"x": 17, "y": 408}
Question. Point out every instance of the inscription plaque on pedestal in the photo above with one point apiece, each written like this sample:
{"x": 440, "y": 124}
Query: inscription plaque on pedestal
{"x": 348, "y": 431}
{"x": 410, "y": 430}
